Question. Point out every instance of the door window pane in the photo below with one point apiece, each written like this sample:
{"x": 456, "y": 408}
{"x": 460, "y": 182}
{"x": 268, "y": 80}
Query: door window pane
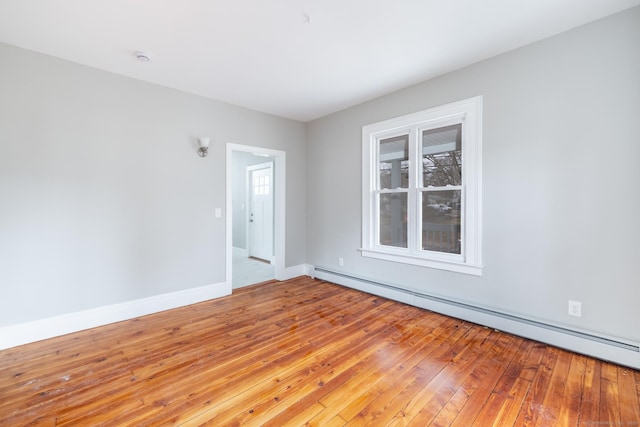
{"x": 394, "y": 162}
{"x": 441, "y": 211}
{"x": 393, "y": 219}
{"x": 261, "y": 185}
{"x": 442, "y": 156}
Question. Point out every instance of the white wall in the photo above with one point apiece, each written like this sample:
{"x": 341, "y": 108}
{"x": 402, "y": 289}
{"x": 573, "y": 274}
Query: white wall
{"x": 560, "y": 172}
{"x": 103, "y": 198}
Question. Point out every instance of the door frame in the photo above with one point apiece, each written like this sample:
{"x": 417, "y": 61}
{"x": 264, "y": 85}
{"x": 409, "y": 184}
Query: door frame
{"x": 249, "y": 203}
{"x": 279, "y": 208}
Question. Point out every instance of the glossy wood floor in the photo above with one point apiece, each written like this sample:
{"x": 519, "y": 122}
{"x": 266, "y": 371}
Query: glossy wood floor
{"x": 308, "y": 352}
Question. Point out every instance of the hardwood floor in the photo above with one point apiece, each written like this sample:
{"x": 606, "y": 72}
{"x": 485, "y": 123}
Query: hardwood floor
{"x": 308, "y": 352}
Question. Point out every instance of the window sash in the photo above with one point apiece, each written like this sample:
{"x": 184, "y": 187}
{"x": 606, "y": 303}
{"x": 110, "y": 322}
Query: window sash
{"x": 448, "y": 256}
{"x": 414, "y": 224}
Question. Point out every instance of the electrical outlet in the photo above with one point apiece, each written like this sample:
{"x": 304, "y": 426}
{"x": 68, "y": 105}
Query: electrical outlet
{"x": 341, "y": 262}
{"x": 575, "y": 308}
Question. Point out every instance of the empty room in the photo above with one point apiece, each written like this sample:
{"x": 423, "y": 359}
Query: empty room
{"x": 325, "y": 213}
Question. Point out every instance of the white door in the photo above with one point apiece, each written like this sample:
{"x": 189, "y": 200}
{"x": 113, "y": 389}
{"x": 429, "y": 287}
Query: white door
{"x": 261, "y": 211}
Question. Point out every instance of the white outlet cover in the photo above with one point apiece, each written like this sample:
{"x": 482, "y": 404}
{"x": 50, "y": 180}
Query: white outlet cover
{"x": 575, "y": 308}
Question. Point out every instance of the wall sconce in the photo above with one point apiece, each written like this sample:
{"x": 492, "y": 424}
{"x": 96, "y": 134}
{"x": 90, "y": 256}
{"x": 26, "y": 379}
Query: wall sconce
{"x": 203, "y": 142}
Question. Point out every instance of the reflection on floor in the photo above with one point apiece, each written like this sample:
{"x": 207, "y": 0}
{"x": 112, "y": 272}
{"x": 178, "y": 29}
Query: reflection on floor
{"x": 247, "y": 271}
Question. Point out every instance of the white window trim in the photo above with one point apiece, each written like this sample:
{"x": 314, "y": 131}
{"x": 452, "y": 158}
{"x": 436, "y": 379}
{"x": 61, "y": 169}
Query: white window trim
{"x": 468, "y": 112}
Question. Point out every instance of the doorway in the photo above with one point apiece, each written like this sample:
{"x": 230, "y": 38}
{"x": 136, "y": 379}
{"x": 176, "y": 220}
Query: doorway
{"x": 255, "y": 209}
{"x": 260, "y": 211}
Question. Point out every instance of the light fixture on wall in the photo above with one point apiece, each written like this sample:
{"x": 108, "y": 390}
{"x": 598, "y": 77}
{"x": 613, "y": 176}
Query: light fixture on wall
{"x": 203, "y": 143}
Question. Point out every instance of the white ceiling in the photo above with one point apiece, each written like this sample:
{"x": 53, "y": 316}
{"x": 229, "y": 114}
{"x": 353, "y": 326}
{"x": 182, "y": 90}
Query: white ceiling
{"x": 300, "y": 59}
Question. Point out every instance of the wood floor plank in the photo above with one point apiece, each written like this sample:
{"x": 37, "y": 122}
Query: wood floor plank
{"x": 307, "y": 352}
{"x": 261, "y": 366}
{"x": 513, "y": 403}
{"x": 571, "y": 407}
{"x": 451, "y": 397}
{"x": 442, "y": 388}
{"x": 432, "y": 373}
{"x": 609, "y": 395}
{"x": 590, "y": 406}
{"x": 265, "y": 393}
{"x": 532, "y": 408}
{"x": 551, "y": 404}
{"x": 629, "y": 398}
{"x": 359, "y": 384}
{"x": 507, "y": 414}
{"x": 391, "y": 395}
{"x": 491, "y": 409}
{"x": 365, "y": 407}
{"x": 254, "y": 368}
{"x": 483, "y": 378}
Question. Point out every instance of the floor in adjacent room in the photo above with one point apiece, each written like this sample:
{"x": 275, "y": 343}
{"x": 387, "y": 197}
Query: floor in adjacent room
{"x": 249, "y": 271}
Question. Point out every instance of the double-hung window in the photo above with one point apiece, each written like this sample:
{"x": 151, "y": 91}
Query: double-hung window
{"x": 421, "y": 188}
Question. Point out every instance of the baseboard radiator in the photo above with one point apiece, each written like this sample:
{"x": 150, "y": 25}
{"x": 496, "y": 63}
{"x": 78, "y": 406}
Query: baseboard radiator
{"x": 612, "y": 349}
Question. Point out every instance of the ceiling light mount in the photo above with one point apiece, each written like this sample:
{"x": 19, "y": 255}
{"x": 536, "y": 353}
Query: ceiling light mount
{"x": 142, "y": 56}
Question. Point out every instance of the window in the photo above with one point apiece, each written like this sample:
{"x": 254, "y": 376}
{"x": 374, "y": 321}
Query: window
{"x": 261, "y": 185}
{"x": 421, "y": 188}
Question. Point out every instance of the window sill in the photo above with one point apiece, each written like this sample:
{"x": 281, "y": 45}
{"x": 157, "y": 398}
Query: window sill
{"x": 474, "y": 270}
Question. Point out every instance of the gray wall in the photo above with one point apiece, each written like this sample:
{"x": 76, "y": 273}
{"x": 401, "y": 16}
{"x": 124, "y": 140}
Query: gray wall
{"x": 560, "y": 177}
{"x": 103, "y": 198}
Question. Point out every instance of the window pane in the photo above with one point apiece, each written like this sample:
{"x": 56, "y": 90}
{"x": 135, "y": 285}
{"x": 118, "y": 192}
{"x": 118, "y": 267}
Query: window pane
{"x": 441, "y": 230}
{"x": 393, "y": 219}
{"x": 394, "y": 162}
{"x": 442, "y": 156}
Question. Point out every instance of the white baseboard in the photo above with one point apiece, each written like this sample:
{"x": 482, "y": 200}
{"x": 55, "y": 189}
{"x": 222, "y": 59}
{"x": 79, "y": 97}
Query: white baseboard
{"x": 296, "y": 271}
{"x": 623, "y": 352}
{"x": 24, "y": 333}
